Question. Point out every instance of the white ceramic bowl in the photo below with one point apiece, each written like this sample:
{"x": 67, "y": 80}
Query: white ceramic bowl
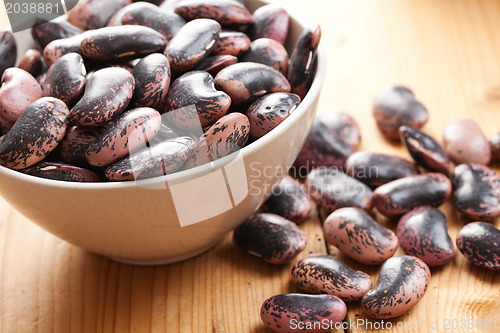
{"x": 169, "y": 218}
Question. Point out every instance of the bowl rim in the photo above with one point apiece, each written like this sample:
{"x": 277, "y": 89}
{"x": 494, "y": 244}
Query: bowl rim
{"x": 193, "y": 173}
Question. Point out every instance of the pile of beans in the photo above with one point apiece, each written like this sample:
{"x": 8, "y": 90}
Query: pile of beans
{"x": 122, "y": 91}
{"x": 347, "y": 185}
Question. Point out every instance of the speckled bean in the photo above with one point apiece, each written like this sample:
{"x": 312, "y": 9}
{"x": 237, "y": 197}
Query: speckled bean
{"x": 332, "y": 189}
{"x": 495, "y": 146}
{"x": 215, "y": 64}
{"x": 271, "y": 237}
{"x": 151, "y": 16}
{"x": 226, "y": 12}
{"x": 375, "y": 169}
{"x": 36, "y": 133}
{"x": 479, "y": 243}
{"x": 323, "y": 274}
{"x": 61, "y": 171}
{"x": 301, "y": 60}
{"x": 44, "y": 32}
{"x": 66, "y": 79}
{"x": 193, "y": 42}
{"x": 477, "y": 191}
{"x": 289, "y": 200}
{"x": 196, "y": 89}
{"x": 465, "y": 142}
{"x": 18, "y": 90}
{"x": 59, "y": 47}
{"x": 75, "y": 143}
{"x": 247, "y": 81}
{"x": 269, "y": 111}
{"x": 422, "y": 233}
{"x": 333, "y": 137}
{"x": 401, "y": 284}
{"x": 158, "y": 160}
{"x": 233, "y": 43}
{"x": 228, "y": 135}
{"x": 94, "y": 14}
{"x": 402, "y": 195}
{"x": 8, "y": 50}
{"x": 121, "y": 42}
{"x": 123, "y": 136}
{"x": 270, "y": 21}
{"x": 358, "y": 236}
{"x": 107, "y": 93}
{"x": 31, "y": 62}
{"x": 396, "y": 106}
{"x": 424, "y": 150}
{"x": 268, "y": 52}
{"x": 285, "y": 313}
{"x": 152, "y": 80}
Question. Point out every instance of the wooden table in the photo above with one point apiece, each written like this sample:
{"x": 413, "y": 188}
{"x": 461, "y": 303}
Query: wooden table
{"x": 448, "y": 51}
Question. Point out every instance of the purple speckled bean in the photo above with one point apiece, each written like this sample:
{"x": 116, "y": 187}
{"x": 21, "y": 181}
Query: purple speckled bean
{"x": 59, "y": 47}
{"x": 121, "y": 42}
{"x": 333, "y": 137}
{"x": 44, "y": 31}
{"x": 247, "y": 81}
{"x": 402, "y": 195}
{"x": 75, "y": 143}
{"x": 271, "y": 237}
{"x": 233, "y": 43}
{"x": 332, "y": 189}
{"x": 422, "y": 233}
{"x": 215, "y": 64}
{"x": 195, "y": 89}
{"x": 358, "y": 236}
{"x": 158, "y": 160}
{"x": 226, "y": 12}
{"x": 477, "y": 191}
{"x": 61, "y": 171}
{"x": 323, "y": 274}
{"x": 301, "y": 60}
{"x": 31, "y": 62}
{"x": 268, "y": 52}
{"x": 193, "y": 42}
{"x": 123, "y": 136}
{"x": 66, "y": 79}
{"x": 424, "y": 150}
{"x": 270, "y": 21}
{"x": 8, "y": 50}
{"x": 152, "y": 80}
{"x": 228, "y": 135}
{"x": 396, "y": 106}
{"x": 151, "y": 16}
{"x": 94, "y": 14}
{"x": 18, "y": 90}
{"x": 401, "y": 284}
{"x": 35, "y": 134}
{"x": 107, "y": 93}
{"x": 269, "y": 111}
{"x": 289, "y": 200}
{"x": 376, "y": 169}
{"x": 495, "y": 146}
{"x": 479, "y": 242}
{"x": 465, "y": 142}
{"x": 285, "y": 313}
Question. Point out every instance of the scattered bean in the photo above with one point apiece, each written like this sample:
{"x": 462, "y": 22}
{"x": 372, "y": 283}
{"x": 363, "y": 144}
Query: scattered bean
{"x": 359, "y": 237}
{"x": 478, "y": 242}
{"x": 422, "y": 233}
{"x": 401, "y": 284}
{"x": 271, "y": 237}
{"x": 464, "y": 142}
{"x": 477, "y": 191}
{"x": 402, "y": 195}
{"x": 323, "y": 274}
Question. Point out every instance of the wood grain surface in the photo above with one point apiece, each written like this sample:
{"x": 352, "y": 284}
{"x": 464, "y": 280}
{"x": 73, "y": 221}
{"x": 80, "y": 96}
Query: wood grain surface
{"x": 447, "y": 51}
